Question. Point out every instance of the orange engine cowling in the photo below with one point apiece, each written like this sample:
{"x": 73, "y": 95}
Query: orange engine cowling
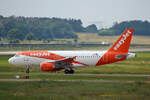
{"x": 47, "y": 67}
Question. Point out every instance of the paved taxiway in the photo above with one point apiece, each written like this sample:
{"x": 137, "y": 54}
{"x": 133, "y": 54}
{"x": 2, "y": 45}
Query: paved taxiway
{"x": 101, "y": 81}
{"x": 82, "y": 80}
{"x": 60, "y": 74}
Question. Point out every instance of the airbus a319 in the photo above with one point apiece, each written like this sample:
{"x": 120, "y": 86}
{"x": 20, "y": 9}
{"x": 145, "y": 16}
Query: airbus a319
{"x": 67, "y": 60}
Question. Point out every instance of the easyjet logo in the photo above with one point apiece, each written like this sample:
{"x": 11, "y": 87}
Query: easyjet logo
{"x": 124, "y": 37}
{"x": 39, "y": 54}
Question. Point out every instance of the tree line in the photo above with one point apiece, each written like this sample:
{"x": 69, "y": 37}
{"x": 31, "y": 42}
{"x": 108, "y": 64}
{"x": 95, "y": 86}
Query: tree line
{"x": 16, "y": 29}
{"x": 141, "y": 28}
{"x": 20, "y": 28}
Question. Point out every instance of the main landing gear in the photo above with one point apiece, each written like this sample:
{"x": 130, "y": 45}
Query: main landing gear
{"x": 67, "y": 71}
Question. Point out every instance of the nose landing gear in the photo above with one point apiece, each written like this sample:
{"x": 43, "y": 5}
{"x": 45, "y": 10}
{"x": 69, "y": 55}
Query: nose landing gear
{"x": 27, "y": 69}
{"x": 27, "y": 72}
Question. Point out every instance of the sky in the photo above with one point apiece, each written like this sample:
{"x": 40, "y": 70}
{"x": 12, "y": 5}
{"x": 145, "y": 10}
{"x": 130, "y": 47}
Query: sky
{"x": 103, "y": 13}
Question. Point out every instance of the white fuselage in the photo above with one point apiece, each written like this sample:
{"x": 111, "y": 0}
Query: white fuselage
{"x": 84, "y": 57}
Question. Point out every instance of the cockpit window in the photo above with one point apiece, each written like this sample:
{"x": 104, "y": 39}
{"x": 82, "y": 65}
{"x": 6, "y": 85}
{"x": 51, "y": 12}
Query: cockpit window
{"x": 17, "y": 56}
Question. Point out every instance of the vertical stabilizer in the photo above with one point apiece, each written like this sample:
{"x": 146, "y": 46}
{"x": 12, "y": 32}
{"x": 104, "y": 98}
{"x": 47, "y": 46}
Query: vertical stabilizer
{"x": 123, "y": 43}
{"x": 119, "y": 50}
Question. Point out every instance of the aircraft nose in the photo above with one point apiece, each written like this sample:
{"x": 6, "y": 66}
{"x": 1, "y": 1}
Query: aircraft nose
{"x": 10, "y": 60}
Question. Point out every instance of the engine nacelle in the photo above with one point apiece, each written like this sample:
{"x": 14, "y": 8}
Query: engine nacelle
{"x": 47, "y": 67}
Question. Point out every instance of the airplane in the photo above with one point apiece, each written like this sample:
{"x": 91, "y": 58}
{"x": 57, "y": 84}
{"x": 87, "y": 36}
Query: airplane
{"x": 58, "y": 60}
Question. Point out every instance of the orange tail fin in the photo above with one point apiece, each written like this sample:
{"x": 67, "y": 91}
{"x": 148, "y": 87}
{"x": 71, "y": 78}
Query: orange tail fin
{"x": 123, "y": 43}
{"x": 119, "y": 50}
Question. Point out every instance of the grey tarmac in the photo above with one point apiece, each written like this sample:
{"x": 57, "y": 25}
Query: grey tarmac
{"x": 38, "y": 80}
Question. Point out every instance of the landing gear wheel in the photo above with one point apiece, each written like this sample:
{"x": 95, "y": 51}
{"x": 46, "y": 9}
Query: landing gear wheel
{"x": 71, "y": 71}
{"x": 66, "y": 71}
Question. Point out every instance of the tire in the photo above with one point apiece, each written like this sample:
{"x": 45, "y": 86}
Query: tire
{"x": 66, "y": 71}
{"x": 71, "y": 71}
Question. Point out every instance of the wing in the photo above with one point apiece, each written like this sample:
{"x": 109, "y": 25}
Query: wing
{"x": 63, "y": 63}
{"x": 67, "y": 60}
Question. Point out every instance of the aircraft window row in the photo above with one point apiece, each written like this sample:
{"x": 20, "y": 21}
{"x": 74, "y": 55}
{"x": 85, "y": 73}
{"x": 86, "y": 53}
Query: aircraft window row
{"x": 83, "y": 56}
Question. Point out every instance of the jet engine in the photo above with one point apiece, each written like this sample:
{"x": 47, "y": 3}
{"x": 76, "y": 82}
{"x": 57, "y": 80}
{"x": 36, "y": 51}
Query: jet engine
{"x": 49, "y": 67}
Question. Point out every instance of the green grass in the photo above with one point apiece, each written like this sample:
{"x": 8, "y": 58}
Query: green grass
{"x": 120, "y": 87}
{"x": 51, "y": 90}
